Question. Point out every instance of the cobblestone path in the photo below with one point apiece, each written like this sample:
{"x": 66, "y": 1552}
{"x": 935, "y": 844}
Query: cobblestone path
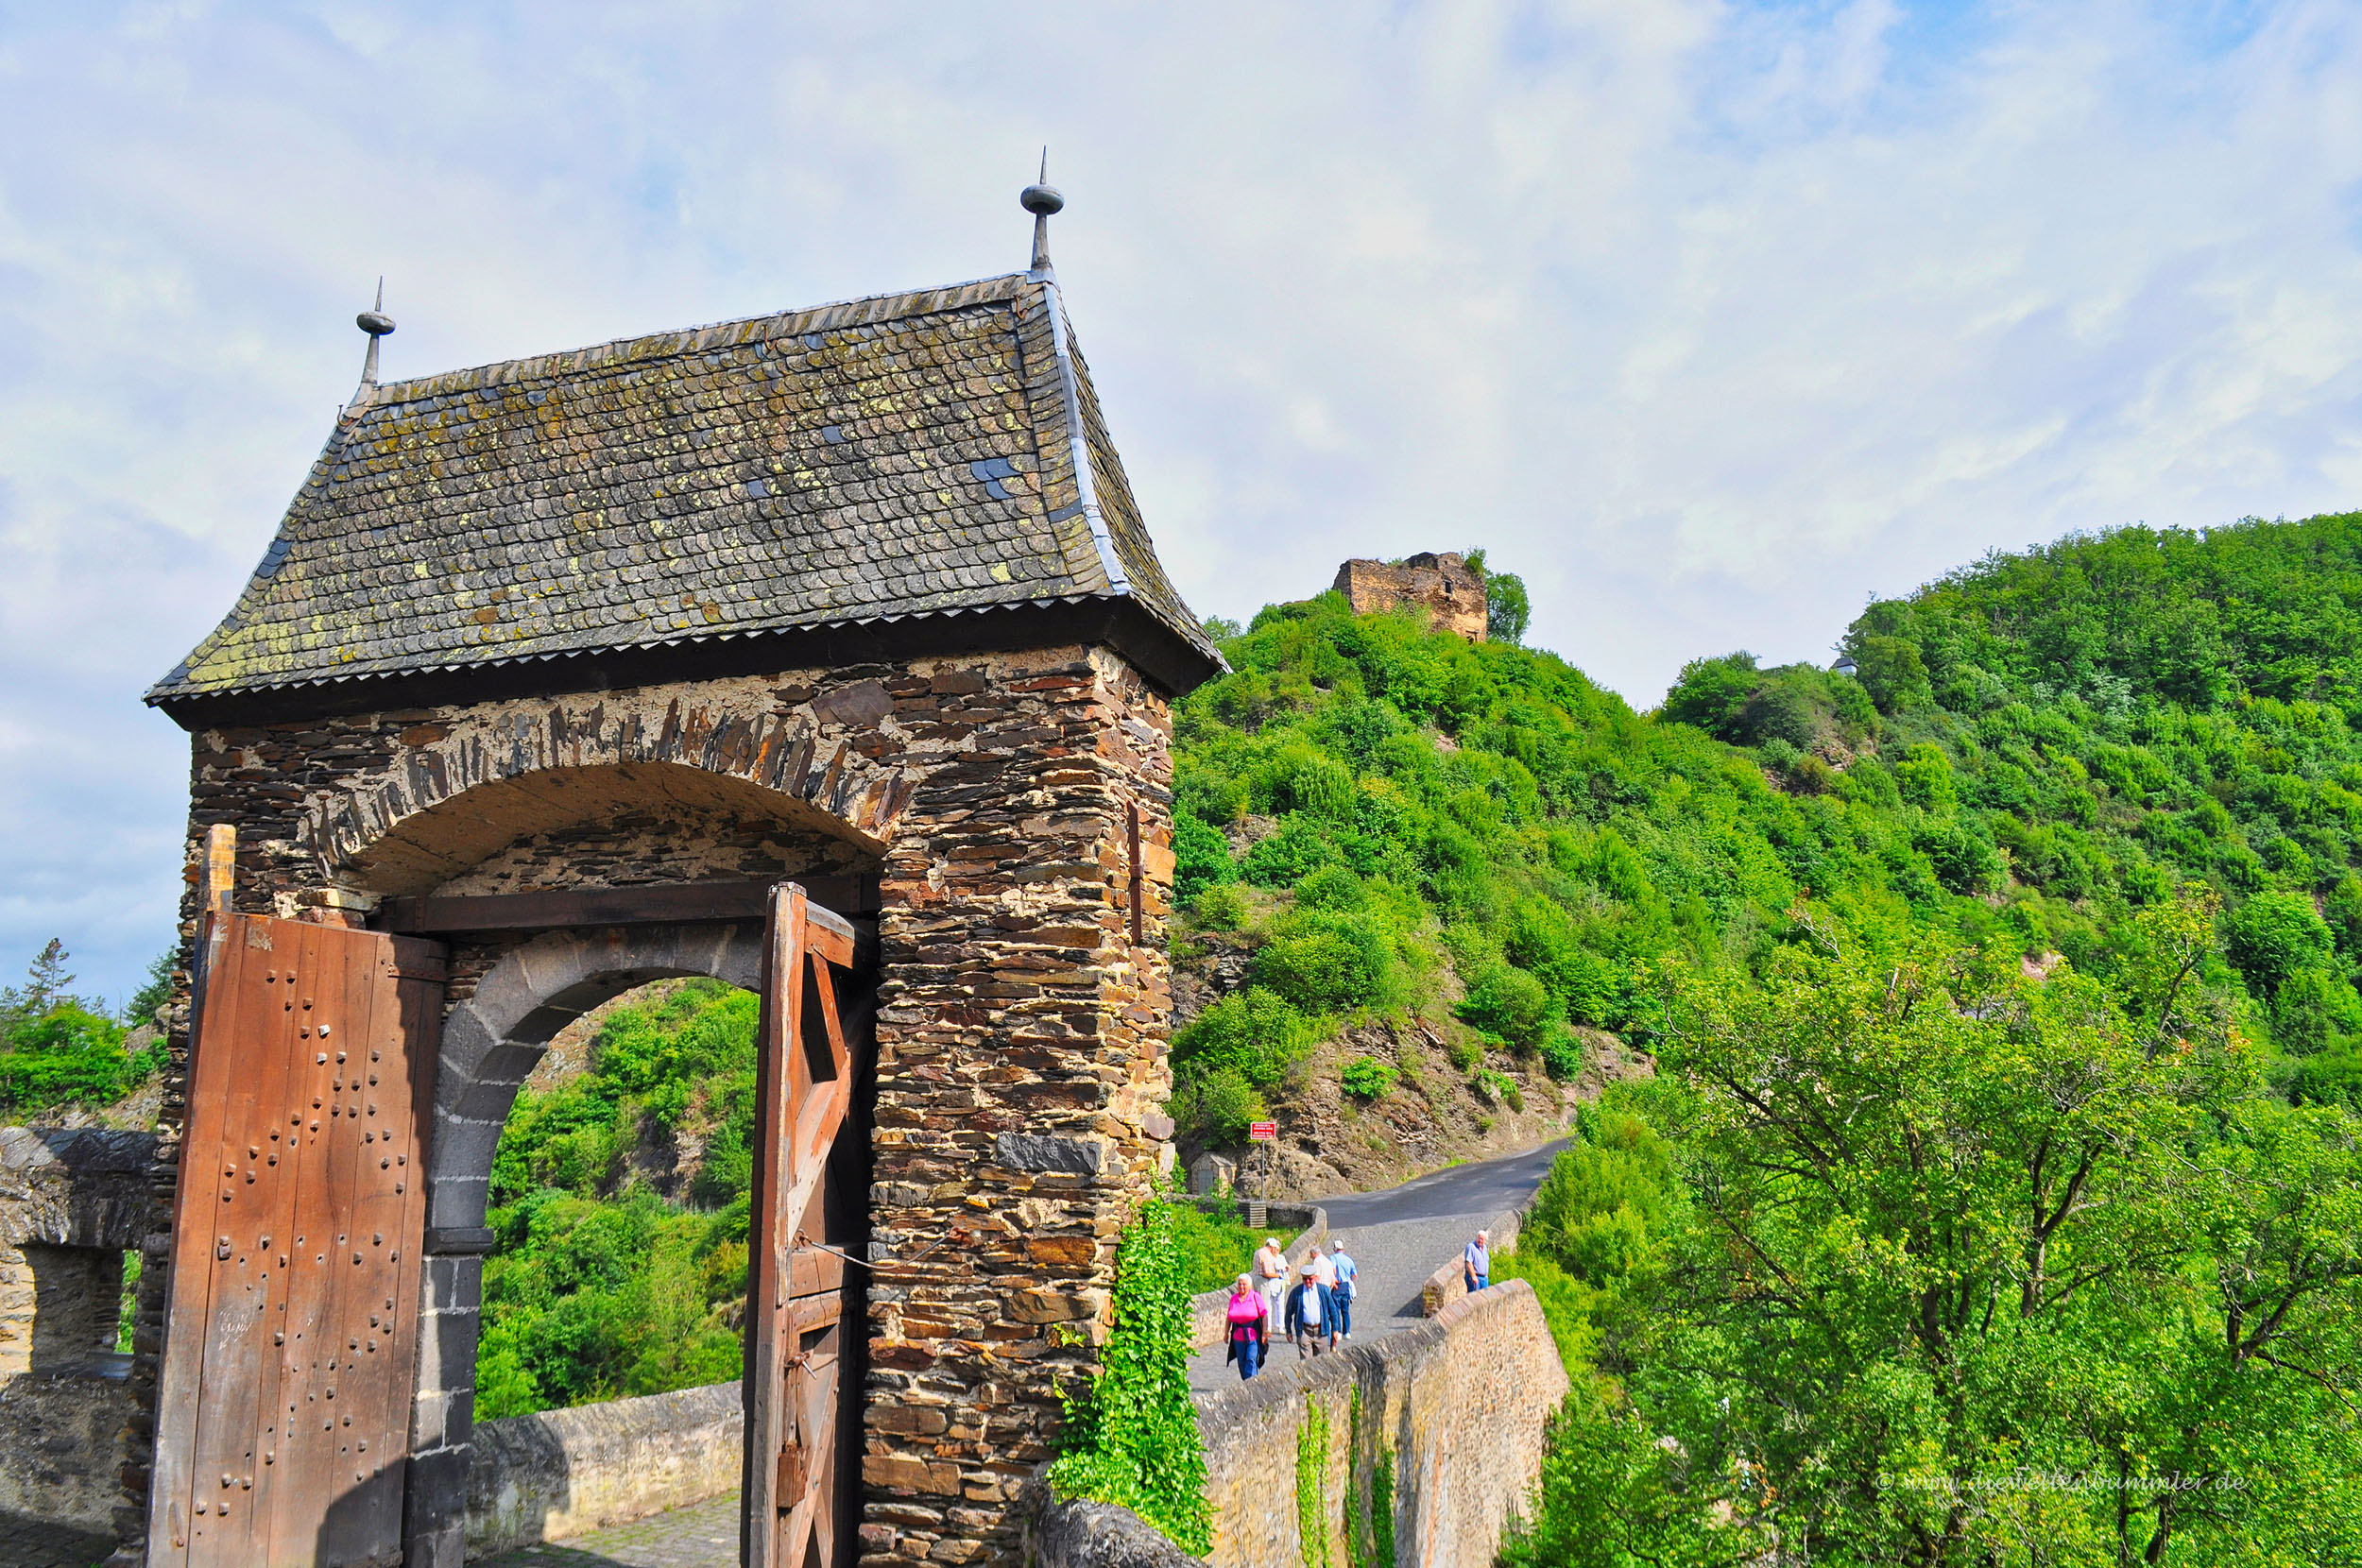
{"x": 703, "y": 1535}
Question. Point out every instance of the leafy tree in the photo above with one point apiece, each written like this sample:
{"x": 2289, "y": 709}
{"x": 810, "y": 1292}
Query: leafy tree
{"x": 1950, "y": 1230}
{"x": 2273, "y": 937}
{"x": 155, "y": 991}
{"x": 57, "y": 1050}
{"x": 600, "y": 1286}
{"x": 1712, "y": 694}
{"x": 1506, "y": 608}
{"x": 45, "y": 978}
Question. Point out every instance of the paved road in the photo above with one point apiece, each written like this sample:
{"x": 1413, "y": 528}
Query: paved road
{"x": 1398, "y": 1238}
{"x": 1486, "y": 1188}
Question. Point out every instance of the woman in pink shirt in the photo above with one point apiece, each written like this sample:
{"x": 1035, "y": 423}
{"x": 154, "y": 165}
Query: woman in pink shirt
{"x": 1250, "y": 1326}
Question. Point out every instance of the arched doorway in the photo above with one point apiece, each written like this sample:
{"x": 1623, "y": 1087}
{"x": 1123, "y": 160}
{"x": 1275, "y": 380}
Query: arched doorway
{"x": 507, "y": 911}
{"x": 493, "y": 1040}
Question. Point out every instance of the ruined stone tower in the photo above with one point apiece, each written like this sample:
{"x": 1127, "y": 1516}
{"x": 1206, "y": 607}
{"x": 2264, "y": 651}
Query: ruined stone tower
{"x": 556, "y": 658}
{"x": 1442, "y": 585}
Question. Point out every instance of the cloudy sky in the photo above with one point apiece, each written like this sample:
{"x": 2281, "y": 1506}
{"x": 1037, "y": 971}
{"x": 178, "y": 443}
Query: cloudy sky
{"x": 1710, "y": 318}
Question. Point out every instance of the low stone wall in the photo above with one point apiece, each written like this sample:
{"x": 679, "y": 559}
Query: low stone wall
{"x": 71, "y": 1203}
{"x": 1450, "y": 1283}
{"x": 1460, "y": 1400}
{"x": 1209, "y": 1311}
{"x": 1095, "y": 1535}
{"x": 562, "y": 1473}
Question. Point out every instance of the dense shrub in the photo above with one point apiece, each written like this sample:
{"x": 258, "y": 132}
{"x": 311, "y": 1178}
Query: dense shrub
{"x": 1255, "y": 1033}
{"x": 1367, "y": 1078}
{"x": 1217, "y": 1103}
{"x": 1508, "y": 1002}
{"x": 2274, "y": 937}
{"x": 1327, "y": 962}
{"x": 1201, "y": 856}
{"x": 1219, "y": 908}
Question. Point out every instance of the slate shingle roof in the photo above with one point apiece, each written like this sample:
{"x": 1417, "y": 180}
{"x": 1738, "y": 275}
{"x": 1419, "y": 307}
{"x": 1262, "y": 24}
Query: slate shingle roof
{"x": 906, "y": 455}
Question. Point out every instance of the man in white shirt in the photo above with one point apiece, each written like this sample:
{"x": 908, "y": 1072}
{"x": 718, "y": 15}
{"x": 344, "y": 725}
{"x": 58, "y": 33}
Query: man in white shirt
{"x": 1323, "y": 1273}
{"x": 1270, "y": 1276}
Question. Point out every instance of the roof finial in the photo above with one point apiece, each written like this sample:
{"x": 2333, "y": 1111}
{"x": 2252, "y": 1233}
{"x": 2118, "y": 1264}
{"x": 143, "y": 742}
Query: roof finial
{"x": 1042, "y": 201}
{"x": 375, "y": 322}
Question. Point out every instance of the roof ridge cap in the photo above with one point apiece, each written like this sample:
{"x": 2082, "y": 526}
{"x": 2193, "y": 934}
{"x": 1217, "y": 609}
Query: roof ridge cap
{"x": 1078, "y": 438}
{"x": 862, "y": 311}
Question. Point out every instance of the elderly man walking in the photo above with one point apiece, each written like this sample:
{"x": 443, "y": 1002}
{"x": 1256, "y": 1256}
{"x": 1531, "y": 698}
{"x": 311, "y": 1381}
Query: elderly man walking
{"x": 1342, "y": 1293}
{"x": 1270, "y": 1276}
{"x": 1476, "y": 1262}
{"x": 1306, "y": 1320}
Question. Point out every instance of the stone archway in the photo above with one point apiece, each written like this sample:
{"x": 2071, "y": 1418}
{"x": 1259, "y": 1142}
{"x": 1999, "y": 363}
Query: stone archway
{"x": 492, "y": 1042}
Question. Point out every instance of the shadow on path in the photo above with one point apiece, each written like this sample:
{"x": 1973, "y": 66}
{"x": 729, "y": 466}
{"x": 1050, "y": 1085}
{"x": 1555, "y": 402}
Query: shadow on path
{"x": 29, "y": 1543}
{"x": 703, "y": 1535}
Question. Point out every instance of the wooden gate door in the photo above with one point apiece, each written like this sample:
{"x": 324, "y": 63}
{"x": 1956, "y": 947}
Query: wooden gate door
{"x": 283, "y": 1432}
{"x": 795, "y": 1340}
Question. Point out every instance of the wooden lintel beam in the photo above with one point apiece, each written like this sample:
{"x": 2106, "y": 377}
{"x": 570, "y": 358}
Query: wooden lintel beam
{"x": 668, "y": 903}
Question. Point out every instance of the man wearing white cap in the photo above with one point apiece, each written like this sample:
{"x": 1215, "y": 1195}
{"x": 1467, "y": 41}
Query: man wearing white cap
{"x": 1270, "y": 1276}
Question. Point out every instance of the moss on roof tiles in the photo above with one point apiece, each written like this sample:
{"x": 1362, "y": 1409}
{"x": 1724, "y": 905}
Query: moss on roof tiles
{"x": 816, "y": 467}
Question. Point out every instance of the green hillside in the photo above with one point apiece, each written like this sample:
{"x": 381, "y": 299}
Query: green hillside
{"x": 1997, "y": 1197}
{"x": 2036, "y": 749}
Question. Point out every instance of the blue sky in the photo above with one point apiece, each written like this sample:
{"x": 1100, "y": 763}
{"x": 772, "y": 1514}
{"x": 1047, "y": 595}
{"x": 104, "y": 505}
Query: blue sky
{"x": 1711, "y": 319}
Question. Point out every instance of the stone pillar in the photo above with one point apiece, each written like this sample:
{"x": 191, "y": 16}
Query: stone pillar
{"x": 1021, "y": 1064}
{"x": 442, "y": 1423}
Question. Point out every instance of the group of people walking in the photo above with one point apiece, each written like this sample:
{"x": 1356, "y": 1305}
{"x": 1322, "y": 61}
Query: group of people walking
{"x": 1313, "y": 1308}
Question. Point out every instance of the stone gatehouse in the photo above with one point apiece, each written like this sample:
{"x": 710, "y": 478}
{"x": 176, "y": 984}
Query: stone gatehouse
{"x": 856, "y": 595}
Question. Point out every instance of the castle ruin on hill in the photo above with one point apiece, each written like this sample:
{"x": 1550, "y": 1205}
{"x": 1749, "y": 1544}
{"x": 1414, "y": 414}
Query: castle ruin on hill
{"x": 1441, "y": 585}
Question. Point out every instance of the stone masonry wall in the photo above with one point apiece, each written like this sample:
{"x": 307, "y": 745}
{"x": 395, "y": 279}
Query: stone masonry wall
{"x": 1441, "y": 585}
{"x": 71, "y": 1203}
{"x": 1461, "y": 1399}
{"x": 1020, "y": 1033}
{"x": 565, "y": 1472}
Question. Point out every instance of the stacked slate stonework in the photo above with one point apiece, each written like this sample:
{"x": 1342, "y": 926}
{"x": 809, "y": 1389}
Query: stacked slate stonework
{"x": 858, "y": 592}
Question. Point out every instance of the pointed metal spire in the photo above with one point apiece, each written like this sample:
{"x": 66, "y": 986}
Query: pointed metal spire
{"x": 375, "y": 322}
{"x": 1042, "y": 201}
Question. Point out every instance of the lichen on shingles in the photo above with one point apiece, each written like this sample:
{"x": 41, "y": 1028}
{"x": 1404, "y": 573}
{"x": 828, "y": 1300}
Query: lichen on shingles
{"x": 895, "y": 456}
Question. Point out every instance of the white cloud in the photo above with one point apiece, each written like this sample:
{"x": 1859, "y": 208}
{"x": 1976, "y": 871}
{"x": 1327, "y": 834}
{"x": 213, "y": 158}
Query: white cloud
{"x": 1709, "y": 317}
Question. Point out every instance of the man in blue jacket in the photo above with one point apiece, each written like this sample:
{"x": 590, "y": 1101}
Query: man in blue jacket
{"x": 1306, "y": 1322}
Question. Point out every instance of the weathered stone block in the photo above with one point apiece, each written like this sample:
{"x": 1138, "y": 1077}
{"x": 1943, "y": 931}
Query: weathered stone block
{"x": 1065, "y": 1156}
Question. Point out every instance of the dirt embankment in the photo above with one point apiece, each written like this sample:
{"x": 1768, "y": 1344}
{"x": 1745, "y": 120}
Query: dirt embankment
{"x": 1440, "y": 1109}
